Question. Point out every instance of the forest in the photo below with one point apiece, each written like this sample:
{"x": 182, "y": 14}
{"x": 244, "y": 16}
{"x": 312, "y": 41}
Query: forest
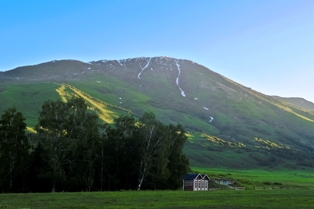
{"x": 73, "y": 150}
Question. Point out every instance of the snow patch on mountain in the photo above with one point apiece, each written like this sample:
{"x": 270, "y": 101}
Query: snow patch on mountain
{"x": 177, "y": 80}
{"x": 120, "y": 63}
{"x": 211, "y": 119}
{"x": 205, "y": 108}
{"x": 143, "y": 68}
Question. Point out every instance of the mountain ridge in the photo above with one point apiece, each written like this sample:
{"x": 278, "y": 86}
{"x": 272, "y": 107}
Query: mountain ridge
{"x": 221, "y": 115}
{"x": 8, "y": 74}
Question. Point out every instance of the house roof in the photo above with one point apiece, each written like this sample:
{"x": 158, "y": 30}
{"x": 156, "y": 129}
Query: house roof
{"x": 204, "y": 176}
{"x": 192, "y": 176}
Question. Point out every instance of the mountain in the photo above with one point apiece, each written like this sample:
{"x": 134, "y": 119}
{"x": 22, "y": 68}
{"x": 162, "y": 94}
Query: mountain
{"x": 229, "y": 125}
{"x": 300, "y": 102}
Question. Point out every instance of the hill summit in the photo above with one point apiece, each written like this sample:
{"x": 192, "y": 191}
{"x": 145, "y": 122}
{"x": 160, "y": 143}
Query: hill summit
{"x": 224, "y": 118}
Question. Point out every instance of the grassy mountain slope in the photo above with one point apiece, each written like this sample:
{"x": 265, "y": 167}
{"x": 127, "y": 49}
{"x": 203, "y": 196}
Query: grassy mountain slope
{"x": 300, "y": 102}
{"x": 229, "y": 125}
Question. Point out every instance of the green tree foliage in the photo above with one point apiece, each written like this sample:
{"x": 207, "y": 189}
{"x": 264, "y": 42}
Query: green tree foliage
{"x": 14, "y": 148}
{"x": 121, "y": 154}
{"x": 153, "y": 158}
{"x": 178, "y": 162}
{"x": 38, "y": 181}
{"x": 72, "y": 151}
{"x": 69, "y": 135}
{"x": 52, "y": 131}
{"x": 147, "y": 153}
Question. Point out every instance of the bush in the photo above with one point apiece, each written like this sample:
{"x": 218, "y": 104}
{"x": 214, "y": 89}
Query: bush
{"x": 267, "y": 183}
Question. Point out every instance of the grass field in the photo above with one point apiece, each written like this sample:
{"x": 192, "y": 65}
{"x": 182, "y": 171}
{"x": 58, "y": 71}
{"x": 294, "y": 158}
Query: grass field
{"x": 296, "y": 191}
{"x": 264, "y": 178}
{"x": 162, "y": 199}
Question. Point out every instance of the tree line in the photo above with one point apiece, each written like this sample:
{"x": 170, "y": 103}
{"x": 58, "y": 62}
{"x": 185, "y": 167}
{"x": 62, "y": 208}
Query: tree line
{"x": 73, "y": 151}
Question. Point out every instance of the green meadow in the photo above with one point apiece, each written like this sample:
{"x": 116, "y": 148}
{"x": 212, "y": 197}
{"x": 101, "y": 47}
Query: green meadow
{"x": 264, "y": 179}
{"x": 162, "y": 199}
{"x": 264, "y": 189}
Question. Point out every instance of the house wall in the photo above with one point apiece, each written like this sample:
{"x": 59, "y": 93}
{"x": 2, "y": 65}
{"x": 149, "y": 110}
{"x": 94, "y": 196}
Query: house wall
{"x": 206, "y": 185}
{"x": 188, "y": 185}
{"x": 200, "y": 185}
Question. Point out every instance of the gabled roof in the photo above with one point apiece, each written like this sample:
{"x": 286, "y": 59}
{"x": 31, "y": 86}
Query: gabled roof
{"x": 192, "y": 176}
{"x": 204, "y": 176}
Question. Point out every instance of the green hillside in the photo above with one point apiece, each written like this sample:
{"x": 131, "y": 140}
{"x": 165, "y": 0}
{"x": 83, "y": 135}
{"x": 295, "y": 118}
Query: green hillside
{"x": 229, "y": 125}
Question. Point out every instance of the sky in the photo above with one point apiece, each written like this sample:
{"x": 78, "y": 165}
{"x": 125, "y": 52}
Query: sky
{"x": 267, "y": 45}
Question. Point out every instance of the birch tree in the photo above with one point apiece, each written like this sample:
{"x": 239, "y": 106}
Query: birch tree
{"x": 14, "y": 146}
{"x": 151, "y": 141}
{"x": 52, "y": 130}
{"x": 70, "y": 135}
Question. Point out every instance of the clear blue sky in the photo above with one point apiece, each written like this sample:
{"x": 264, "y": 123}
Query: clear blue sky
{"x": 267, "y": 45}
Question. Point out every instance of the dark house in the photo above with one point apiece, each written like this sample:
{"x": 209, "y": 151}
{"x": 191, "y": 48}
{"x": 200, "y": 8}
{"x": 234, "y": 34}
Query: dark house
{"x": 195, "y": 182}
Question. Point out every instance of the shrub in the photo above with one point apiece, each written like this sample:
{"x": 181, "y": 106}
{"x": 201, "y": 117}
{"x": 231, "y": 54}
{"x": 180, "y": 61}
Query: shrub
{"x": 267, "y": 183}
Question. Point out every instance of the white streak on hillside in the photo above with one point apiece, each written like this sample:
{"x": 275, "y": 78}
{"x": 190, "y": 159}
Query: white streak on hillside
{"x": 195, "y": 98}
{"x": 143, "y": 68}
{"x": 121, "y": 63}
{"x": 205, "y": 108}
{"x": 177, "y": 80}
{"x": 211, "y": 119}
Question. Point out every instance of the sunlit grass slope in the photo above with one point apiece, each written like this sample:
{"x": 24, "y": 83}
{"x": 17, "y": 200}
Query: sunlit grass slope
{"x": 28, "y": 99}
{"x": 106, "y": 112}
